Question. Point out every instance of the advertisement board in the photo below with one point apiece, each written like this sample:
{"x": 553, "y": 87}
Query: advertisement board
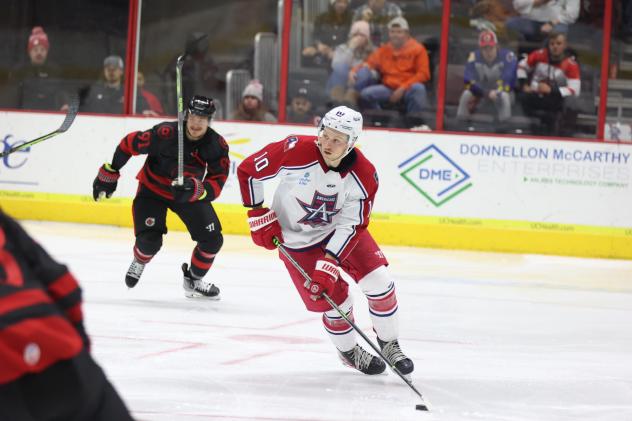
{"x": 442, "y": 178}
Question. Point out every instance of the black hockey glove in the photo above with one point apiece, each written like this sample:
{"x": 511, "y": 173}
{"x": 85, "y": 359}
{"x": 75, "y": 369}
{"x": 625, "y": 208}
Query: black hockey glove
{"x": 190, "y": 191}
{"x": 105, "y": 182}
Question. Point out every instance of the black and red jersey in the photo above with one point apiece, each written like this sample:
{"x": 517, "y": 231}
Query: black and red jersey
{"x": 205, "y": 159}
{"x": 41, "y": 320}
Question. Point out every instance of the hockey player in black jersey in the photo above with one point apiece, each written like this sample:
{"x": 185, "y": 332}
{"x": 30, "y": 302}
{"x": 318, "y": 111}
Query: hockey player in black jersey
{"x": 206, "y": 165}
{"x": 46, "y": 370}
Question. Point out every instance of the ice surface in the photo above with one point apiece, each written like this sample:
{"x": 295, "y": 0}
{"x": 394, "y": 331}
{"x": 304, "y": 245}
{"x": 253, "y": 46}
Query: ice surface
{"x": 493, "y": 336}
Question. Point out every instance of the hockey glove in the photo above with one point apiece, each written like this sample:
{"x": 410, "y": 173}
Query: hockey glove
{"x": 264, "y": 226}
{"x": 191, "y": 190}
{"x": 106, "y": 181}
{"x": 324, "y": 278}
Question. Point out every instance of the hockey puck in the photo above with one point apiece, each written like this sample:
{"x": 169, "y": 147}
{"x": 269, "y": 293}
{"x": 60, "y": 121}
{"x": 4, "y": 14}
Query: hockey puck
{"x": 421, "y": 407}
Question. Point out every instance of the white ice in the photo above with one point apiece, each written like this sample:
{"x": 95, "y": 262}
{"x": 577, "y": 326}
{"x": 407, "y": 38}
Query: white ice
{"x": 493, "y": 336}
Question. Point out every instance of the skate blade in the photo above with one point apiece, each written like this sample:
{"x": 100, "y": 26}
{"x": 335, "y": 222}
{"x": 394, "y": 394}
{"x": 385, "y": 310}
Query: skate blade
{"x": 347, "y": 364}
{"x": 198, "y": 296}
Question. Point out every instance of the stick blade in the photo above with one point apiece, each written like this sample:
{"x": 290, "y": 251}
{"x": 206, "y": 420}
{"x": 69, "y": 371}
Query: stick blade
{"x": 421, "y": 407}
{"x": 73, "y": 109}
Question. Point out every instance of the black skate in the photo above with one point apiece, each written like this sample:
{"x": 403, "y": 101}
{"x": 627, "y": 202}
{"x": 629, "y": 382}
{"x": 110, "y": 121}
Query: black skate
{"x": 362, "y": 360}
{"x": 198, "y": 288}
{"x": 396, "y": 357}
{"x": 133, "y": 273}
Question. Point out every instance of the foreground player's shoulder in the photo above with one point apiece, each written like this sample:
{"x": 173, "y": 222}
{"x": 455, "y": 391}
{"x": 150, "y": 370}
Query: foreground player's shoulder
{"x": 215, "y": 140}
{"x": 166, "y": 130}
{"x": 364, "y": 171}
{"x": 299, "y": 144}
{"x": 298, "y": 148}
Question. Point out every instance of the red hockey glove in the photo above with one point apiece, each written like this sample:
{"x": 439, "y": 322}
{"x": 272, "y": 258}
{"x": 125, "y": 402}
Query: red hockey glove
{"x": 105, "y": 182}
{"x": 191, "y": 190}
{"x": 264, "y": 226}
{"x": 324, "y": 278}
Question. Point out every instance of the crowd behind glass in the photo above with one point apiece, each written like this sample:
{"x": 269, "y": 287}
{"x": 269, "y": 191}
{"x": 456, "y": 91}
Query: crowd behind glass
{"x": 514, "y": 66}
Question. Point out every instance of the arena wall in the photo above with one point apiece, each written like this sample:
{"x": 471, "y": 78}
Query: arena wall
{"x": 436, "y": 190}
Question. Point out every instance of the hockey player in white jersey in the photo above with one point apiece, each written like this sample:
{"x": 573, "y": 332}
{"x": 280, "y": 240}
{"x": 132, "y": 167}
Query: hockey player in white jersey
{"x": 320, "y": 212}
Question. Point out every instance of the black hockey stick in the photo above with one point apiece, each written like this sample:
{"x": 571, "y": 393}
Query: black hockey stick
{"x": 423, "y": 406}
{"x": 73, "y": 108}
{"x": 179, "y": 64}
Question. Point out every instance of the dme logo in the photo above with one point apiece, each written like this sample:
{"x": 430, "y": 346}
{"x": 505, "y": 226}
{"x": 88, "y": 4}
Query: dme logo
{"x": 433, "y": 174}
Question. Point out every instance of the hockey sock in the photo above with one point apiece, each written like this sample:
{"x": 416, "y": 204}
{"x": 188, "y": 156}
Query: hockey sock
{"x": 339, "y": 331}
{"x": 380, "y": 292}
{"x": 142, "y": 257}
{"x": 201, "y": 262}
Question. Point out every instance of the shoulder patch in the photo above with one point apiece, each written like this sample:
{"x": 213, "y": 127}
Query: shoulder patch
{"x": 290, "y": 143}
{"x": 164, "y": 131}
{"x": 377, "y": 180}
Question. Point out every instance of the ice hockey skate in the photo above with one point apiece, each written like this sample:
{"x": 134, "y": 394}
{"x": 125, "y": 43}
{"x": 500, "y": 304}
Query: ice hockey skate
{"x": 362, "y": 360}
{"x": 396, "y": 357}
{"x": 133, "y": 273}
{"x": 198, "y": 288}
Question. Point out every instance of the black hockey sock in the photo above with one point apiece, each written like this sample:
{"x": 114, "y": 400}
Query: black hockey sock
{"x": 142, "y": 257}
{"x": 201, "y": 262}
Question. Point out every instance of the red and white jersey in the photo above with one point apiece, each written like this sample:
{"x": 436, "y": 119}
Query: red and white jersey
{"x": 314, "y": 203}
{"x": 564, "y": 74}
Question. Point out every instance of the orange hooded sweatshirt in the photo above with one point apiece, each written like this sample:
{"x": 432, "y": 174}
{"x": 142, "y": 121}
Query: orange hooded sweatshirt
{"x": 403, "y": 67}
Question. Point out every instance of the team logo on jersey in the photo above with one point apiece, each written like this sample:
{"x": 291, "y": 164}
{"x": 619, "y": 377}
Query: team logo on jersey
{"x": 32, "y": 354}
{"x": 321, "y": 211}
{"x": 150, "y": 222}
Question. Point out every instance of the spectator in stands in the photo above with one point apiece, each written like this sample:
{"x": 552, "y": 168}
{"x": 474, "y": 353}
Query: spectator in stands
{"x": 395, "y": 72}
{"x": 490, "y": 15}
{"x": 549, "y": 80}
{"x": 36, "y": 84}
{"x": 152, "y": 101}
{"x": 352, "y": 53}
{"x": 378, "y": 13}
{"x": 626, "y": 22}
{"x": 106, "y": 96}
{"x": 490, "y": 76}
{"x": 539, "y": 18}
{"x": 301, "y": 108}
{"x": 251, "y": 107}
{"x": 330, "y": 29}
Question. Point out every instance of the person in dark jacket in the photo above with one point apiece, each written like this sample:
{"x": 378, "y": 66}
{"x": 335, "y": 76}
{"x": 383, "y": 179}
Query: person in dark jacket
{"x": 330, "y": 29}
{"x": 36, "y": 85}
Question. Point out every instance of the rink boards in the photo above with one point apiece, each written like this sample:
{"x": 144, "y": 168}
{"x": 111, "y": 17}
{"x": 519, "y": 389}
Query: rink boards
{"x": 448, "y": 191}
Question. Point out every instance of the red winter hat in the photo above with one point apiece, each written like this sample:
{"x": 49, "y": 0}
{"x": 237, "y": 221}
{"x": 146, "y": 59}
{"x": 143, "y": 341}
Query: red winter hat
{"x": 38, "y": 37}
{"x": 487, "y": 38}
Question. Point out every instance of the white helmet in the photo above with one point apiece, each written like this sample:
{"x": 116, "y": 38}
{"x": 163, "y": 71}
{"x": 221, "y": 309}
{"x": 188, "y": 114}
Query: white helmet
{"x": 344, "y": 120}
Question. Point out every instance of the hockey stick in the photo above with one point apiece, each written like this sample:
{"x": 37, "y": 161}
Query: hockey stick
{"x": 423, "y": 406}
{"x": 73, "y": 108}
{"x": 179, "y": 64}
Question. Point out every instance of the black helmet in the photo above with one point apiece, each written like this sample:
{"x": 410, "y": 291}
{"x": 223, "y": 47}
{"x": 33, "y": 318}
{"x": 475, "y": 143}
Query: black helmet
{"x": 201, "y": 105}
